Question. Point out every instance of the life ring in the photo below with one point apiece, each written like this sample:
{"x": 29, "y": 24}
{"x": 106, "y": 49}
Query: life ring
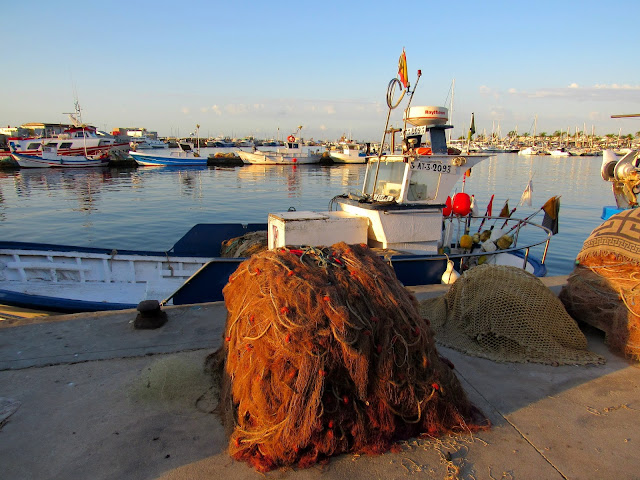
{"x": 424, "y": 151}
{"x": 291, "y": 138}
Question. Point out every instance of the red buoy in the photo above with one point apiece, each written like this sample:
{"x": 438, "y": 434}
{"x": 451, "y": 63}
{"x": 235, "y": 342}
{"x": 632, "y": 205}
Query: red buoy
{"x": 461, "y": 204}
{"x": 446, "y": 211}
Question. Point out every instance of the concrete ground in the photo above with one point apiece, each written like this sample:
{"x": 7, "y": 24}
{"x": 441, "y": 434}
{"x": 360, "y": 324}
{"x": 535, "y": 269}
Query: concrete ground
{"x": 87, "y": 396}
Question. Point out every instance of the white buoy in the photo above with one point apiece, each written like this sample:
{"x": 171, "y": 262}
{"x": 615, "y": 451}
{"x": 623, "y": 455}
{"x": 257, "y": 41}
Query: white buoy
{"x": 450, "y": 275}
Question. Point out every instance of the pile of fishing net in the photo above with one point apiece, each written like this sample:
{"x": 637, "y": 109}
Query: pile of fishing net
{"x": 325, "y": 352}
{"x": 506, "y": 314}
{"x": 244, "y": 245}
{"x": 604, "y": 288}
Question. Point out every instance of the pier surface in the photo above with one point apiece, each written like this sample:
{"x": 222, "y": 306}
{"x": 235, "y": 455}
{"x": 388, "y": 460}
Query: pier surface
{"x": 87, "y": 396}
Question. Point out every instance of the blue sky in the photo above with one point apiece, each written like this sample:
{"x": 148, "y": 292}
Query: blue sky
{"x": 240, "y": 68}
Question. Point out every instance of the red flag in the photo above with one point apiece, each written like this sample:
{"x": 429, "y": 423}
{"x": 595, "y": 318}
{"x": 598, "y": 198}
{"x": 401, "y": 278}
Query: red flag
{"x": 402, "y": 70}
{"x": 490, "y": 206}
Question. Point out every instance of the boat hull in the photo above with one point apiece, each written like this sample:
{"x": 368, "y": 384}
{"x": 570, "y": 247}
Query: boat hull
{"x": 175, "y": 159}
{"x": 275, "y": 158}
{"x": 339, "y": 157}
{"x": 60, "y": 161}
{"x": 73, "y": 279}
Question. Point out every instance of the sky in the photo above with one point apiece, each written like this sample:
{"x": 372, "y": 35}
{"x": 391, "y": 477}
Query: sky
{"x": 252, "y": 68}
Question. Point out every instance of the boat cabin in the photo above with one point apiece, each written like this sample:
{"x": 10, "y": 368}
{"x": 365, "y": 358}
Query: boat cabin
{"x": 402, "y": 199}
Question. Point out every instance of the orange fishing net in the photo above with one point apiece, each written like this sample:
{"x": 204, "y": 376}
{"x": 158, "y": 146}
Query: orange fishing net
{"x": 325, "y": 352}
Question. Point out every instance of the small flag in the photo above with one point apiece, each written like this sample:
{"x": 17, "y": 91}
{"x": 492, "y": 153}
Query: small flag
{"x": 472, "y": 128}
{"x": 551, "y": 214}
{"x": 402, "y": 70}
{"x": 526, "y": 195}
{"x": 505, "y": 210}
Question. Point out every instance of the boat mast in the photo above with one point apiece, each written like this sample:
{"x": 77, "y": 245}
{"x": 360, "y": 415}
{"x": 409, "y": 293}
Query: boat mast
{"x": 453, "y": 87}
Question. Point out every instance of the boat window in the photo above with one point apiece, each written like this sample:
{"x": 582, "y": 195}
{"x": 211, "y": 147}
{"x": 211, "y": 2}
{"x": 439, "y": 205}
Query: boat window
{"x": 65, "y": 145}
{"x": 104, "y": 142}
{"x": 51, "y": 144}
{"x": 423, "y": 185}
{"x": 390, "y": 176}
{"x": 34, "y": 146}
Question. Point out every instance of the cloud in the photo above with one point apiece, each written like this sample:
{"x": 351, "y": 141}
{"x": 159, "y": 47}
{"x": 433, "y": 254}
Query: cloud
{"x": 613, "y": 92}
{"x": 488, "y": 92}
{"x": 216, "y": 109}
{"x": 185, "y": 110}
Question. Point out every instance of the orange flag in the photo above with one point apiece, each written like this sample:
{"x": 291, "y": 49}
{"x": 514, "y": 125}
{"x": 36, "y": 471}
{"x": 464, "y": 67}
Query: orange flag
{"x": 402, "y": 70}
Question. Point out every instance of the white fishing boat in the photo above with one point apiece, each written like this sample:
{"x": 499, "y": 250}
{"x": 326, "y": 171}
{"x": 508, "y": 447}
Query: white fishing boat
{"x": 291, "y": 154}
{"x": 79, "y": 139}
{"x": 49, "y": 157}
{"x": 348, "y": 152}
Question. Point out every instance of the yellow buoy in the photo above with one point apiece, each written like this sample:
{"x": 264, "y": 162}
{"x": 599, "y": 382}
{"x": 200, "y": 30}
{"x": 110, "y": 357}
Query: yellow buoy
{"x": 466, "y": 241}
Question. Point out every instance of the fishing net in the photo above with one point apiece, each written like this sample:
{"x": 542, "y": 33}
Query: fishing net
{"x": 244, "y": 245}
{"x": 604, "y": 288}
{"x": 504, "y": 313}
{"x": 325, "y": 352}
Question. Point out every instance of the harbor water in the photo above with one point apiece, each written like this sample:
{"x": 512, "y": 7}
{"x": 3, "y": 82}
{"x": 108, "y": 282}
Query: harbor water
{"x": 152, "y": 207}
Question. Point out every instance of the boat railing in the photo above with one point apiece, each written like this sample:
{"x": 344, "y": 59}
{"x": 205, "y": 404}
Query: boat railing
{"x": 520, "y": 250}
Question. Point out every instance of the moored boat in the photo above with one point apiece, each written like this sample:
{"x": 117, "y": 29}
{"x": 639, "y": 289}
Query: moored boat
{"x": 348, "y": 152}
{"x": 184, "y": 158}
{"x": 291, "y": 154}
{"x": 49, "y": 157}
{"x": 78, "y": 139}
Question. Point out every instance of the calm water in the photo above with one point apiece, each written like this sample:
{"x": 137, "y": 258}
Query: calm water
{"x": 151, "y": 208}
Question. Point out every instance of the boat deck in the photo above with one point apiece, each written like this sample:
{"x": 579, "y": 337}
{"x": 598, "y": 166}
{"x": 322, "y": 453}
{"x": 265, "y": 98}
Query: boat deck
{"x": 98, "y": 399}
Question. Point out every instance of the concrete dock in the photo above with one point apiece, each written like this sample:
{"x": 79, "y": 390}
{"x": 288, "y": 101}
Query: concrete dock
{"x": 88, "y": 396}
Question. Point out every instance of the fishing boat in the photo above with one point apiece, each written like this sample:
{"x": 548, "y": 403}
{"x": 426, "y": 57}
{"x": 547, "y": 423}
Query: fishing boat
{"x": 78, "y": 139}
{"x": 49, "y": 157}
{"x": 291, "y": 153}
{"x": 624, "y": 175}
{"x": 348, "y": 152}
{"x": 185, "y": 156}
{"x": 404, "y": 211}
{"x": 180, "y": 158}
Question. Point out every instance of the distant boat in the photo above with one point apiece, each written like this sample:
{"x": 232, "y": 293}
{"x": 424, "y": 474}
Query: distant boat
{"x": 220, "y": 143}
{"x": 50, "y": 158}
{"x": 560, "y": 152}
{"x": 530, "y": 151}
{"x": 291, "y": 154}
{"x": 146, "y": 143}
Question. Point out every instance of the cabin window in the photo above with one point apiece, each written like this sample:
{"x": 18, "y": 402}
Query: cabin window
{"x": 65, "y": 145}
{"x": 51, "y": 144}
{"x": 33, "y": 146}
{"x": 104, "y": 142}
{"x": 390, "y": 176}
{"x": 423, "y": 185}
